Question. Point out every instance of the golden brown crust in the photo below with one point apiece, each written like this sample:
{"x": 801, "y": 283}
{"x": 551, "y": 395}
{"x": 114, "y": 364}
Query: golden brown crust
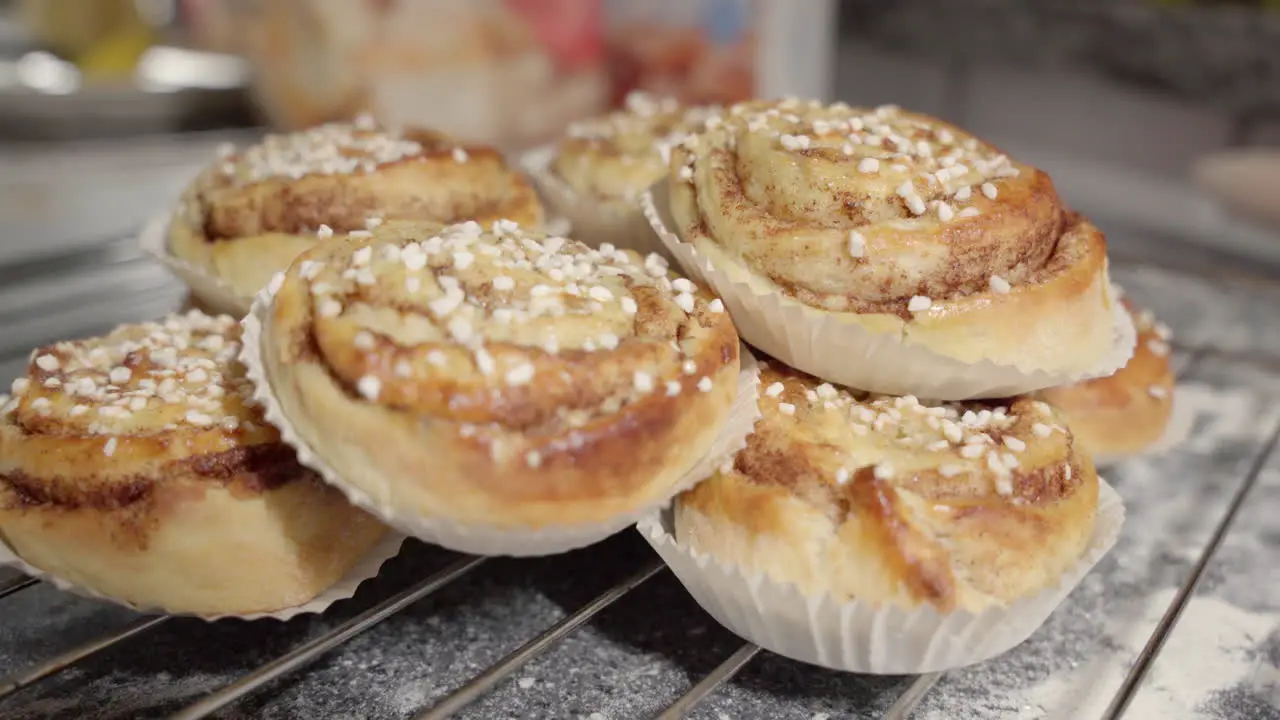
{"x": 905, "y": 223}
{"x": 620, "y": 155}
{"x": 253, "y": 211}
{"x": 208, "y": 550}
{"x": 499, "y": 377}
{"x": 766, "y": 179}
{"x": 962, "y": 506}
{"x": 125, "y": 458}
{"x": 1125, "y": 413}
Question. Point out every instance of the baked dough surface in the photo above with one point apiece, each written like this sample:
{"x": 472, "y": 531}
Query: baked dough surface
{"x": 136, "y": 465}
{"x": 960, "y": 506}
{"x": 499, "y": 376}
{"x": 1125, "y": 413}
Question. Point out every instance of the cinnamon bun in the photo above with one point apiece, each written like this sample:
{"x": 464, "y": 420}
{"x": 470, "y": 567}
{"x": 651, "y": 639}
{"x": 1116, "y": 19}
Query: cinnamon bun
{"x": 597, "y": 172}
{"x": 253, "y": 210}
{"x": 135, "y": 465}
{"x": 1129, "y": 412}
{"x": 887, "y": 230}
{"x": 890, "y": 501}
{"x": 501, "y": 380}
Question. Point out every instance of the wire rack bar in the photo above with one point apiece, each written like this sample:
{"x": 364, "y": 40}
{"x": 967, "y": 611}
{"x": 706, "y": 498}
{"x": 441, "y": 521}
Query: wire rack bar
{"x": 1259, "y": 360}
{"x": 57, "y": 664}
{"x": 497, "y": 672}
{"x": 330, "y": 640}
{"x": 1155, "y": 643}
{"x": 1240, "y": 271}
{"x": 15, "y": 584}
{"x": 723, "y": 673}
{"x": 910, "y": 698}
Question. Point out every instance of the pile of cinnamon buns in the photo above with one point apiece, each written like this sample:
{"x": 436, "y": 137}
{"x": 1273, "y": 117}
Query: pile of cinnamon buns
{"x": 846, "y": 368}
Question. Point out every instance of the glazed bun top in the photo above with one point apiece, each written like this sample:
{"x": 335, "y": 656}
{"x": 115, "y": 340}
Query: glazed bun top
{"x": 620, "y": 155}
{"x": 178, "y": 375}
{"x": 341, "y": 174}
{"x": 863, "y": 209}
{"x": 102, "y": 421}
{"x": 503, "y": 325}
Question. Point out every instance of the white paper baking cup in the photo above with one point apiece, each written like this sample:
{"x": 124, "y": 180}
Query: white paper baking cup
{"x": 479, "y": 539}
{"x": 861, "y": 637}
{"x": 1181, "y": 420}
{"x": 366, "y": 569}
{"x": 830, "y": 347}
{"x": 216, "y": 295}
{"x": 595, "y": 221}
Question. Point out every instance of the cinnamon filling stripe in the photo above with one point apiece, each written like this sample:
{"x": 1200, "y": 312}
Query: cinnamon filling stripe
{"x": 252, "y": 470}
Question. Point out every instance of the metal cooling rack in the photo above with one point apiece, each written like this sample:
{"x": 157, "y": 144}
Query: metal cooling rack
{"x": 425, "y": 591}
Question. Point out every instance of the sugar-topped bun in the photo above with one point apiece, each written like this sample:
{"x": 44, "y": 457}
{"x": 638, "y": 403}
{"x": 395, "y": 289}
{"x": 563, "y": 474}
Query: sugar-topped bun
{"x": 136, "y": 465}
{"x": 254, "y": 210}
{"x": 620, "y": 155}
{"x": 901, "y": 224}
{"x": 887, "y": 500}
{"x": 1125, "y": 413}
{"x": 596, "y": 173}
{"x": 498, "y": 377}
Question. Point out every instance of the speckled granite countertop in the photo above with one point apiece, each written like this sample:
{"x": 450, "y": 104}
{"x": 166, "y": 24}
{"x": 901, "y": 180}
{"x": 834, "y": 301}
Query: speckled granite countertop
{"x": 637, "y": 657}
{"x": 1223, "y": 54}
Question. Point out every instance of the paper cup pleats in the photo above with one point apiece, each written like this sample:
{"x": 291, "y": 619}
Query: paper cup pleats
{"x": 860, "y": 637}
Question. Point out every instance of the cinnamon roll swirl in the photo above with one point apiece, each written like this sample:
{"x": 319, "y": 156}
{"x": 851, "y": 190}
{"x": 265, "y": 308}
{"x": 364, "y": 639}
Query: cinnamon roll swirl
{"x": 596, "y": 173}
{"x": 499, "y": 379}
{"x": 899, "y": 225}
{"x": 253, "y": 210}
{"x": 890, "y": 501}
{"x": 136, "y": 465}
{"x": 1129, "y": 412}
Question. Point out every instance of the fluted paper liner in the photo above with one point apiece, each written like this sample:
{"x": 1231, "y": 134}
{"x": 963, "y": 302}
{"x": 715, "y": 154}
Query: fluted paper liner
{"x": 1181, "y": 420}
{"x": 213, "y": 294}
{"x": 366, "y": 569}
{"x": 479, "y": 539}
{"x": 861, "y": 637}
{"x": 829, "y": 346}
{"x": 594, "y": 220}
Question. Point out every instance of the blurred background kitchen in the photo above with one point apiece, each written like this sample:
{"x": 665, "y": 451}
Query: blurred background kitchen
{"x": 1153, "y": 116}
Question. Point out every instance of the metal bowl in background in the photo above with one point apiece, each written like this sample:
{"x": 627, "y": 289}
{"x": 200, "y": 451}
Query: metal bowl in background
{"x": 172, "y": 90}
